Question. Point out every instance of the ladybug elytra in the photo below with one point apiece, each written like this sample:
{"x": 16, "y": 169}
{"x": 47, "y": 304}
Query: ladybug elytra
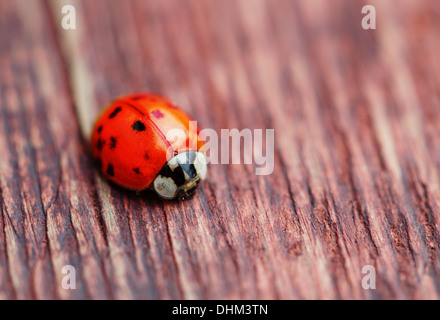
{"x": 131, "y": 145}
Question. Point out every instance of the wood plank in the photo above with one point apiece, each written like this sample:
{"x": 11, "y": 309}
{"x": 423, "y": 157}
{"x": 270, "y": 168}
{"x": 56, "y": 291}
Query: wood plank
{"x": 357, "y": 150}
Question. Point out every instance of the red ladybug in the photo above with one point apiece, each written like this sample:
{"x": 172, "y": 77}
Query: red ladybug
{"x": 130, "y": 144}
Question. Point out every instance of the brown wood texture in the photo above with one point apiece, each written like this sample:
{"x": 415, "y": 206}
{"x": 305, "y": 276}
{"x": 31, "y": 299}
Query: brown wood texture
{"x": 356, "y": 115}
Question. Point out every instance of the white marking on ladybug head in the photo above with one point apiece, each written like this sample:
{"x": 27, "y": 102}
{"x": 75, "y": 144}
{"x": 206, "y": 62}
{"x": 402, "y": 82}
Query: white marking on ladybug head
{"x": 201, "y": 165}
{"x": 172, "y": 163}
{"x": 165, "y": 187}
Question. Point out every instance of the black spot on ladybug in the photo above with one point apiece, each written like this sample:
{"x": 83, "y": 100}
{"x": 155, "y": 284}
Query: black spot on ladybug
{"x": 100, "y": 144}
{"x": 113, "y": 142}
{"x": 115, "y": 112}
{"x": 100, "y": 129}
{"x": 139, "y": 126}
{"x": 136, "y": 170}
{"x": 110, "y": 170}
{"x": 147, "y": 157}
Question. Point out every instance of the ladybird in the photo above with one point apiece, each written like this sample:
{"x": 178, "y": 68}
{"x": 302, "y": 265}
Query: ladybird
{"x": 129, "y": 143}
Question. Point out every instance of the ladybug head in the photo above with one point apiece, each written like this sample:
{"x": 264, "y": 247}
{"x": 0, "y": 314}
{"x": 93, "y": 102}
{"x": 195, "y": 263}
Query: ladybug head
{"x": 181, "y": 176}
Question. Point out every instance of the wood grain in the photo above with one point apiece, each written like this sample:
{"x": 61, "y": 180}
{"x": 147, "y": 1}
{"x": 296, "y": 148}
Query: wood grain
{"x": 356, "y": 115}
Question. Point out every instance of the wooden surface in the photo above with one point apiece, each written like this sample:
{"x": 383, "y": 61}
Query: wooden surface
{"x": 356, "y": 115}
